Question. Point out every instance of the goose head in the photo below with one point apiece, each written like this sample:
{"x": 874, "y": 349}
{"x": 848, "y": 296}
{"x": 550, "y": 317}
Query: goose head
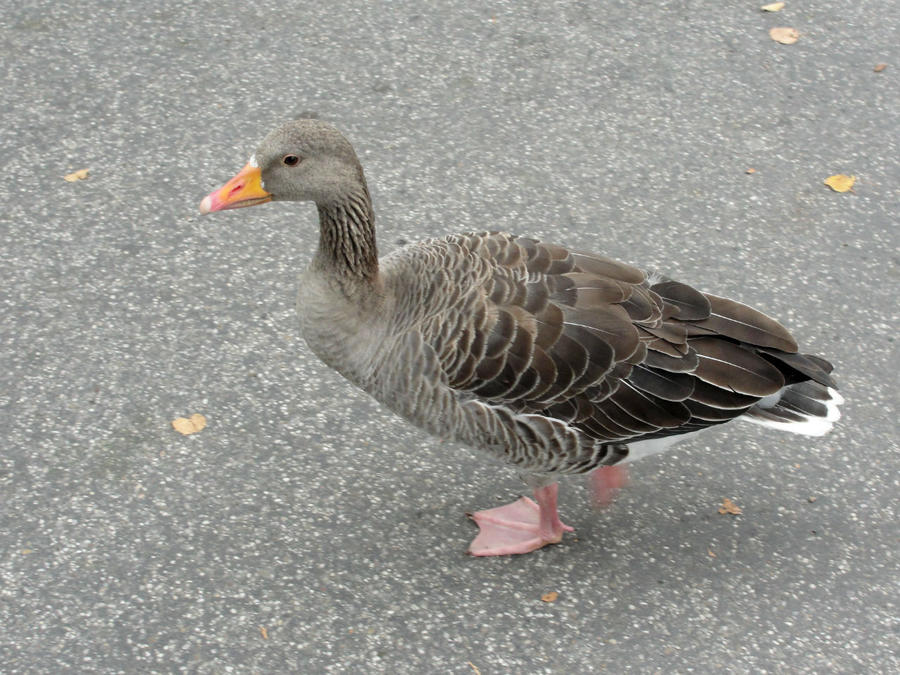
{"x": 302, "y": 160}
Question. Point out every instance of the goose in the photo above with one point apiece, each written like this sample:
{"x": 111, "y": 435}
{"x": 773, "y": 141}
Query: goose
{"x": 553, "y": 361}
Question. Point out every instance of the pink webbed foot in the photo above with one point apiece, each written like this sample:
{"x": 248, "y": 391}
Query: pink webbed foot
{"x": 520, "y": 527}
{"x": 606, "y": 483}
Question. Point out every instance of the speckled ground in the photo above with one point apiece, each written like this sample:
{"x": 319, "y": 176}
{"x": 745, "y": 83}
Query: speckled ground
{"x": 308, "y": 530}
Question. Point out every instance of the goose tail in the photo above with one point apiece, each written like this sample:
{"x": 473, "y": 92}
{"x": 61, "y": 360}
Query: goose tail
{"x": 809, "y": 408}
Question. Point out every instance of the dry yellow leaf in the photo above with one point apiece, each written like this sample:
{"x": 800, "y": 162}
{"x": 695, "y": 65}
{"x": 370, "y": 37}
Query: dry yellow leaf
{"x": 784, "y": 35}
{"x": 474, "y": 667}
{"x": 550, "y": 597}
{"x": 840, "y": 183}
{"x": 189, "y": 425}
{"x": 81, "y": 174}
{"x": 773, "y": 7}
{"x": 729, "y": 506}
{"x": 711, "y": 554}
{"x": 879, "y": 67}
{"x": 264, "y": 632}
{"x": 750, "y": 170}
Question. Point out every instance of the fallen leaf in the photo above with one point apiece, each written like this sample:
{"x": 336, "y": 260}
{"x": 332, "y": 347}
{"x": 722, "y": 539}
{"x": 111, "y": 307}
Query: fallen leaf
{"x": 711, "y": 554}
{"x": 840, "y": 183}
{"x": 189, "y": 425}
{"x": 750, "y": 170}
{"x": 879, "y": 67}
{"x": 474, "y": 667}
{"x": 784, "y": 35}
{"x": 550, "y": 597}
{"x": 773, "y": 7}
{"x": 729, "y": 506}
{"x": 264, "y": 632}
{"x": 81, "y": 174}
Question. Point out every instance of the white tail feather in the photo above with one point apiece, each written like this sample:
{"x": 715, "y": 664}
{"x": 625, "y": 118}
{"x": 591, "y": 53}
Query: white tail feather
{"x": 810, "y": 425}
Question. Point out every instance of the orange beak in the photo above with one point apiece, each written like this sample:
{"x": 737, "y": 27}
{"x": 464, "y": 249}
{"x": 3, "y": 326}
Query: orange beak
{"x": 245, "y": 189}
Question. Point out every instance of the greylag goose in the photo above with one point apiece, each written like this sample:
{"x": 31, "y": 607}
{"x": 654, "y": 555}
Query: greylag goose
{"x": 551, "y": 360}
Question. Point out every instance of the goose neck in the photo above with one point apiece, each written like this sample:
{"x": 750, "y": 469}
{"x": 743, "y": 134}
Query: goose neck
{"x": 347, "y": 238}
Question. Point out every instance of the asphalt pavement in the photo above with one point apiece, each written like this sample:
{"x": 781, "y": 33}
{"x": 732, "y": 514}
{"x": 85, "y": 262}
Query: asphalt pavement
{"x": 308, "y": 530}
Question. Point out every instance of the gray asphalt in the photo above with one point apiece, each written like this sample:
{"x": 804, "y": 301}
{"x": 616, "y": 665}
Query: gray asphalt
{"x": 308, "y": 530}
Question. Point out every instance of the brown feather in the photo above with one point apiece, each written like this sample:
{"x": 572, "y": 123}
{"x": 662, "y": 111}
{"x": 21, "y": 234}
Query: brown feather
{"x": 807, "y": 365}
{"x": 611, "y": 290}
{"x": 545, "y": 368}
{"x": 618, "y": 423}
{"x": 638, "y": 355}
{"x": 600, "y": 427}
{"x": 602, "y": 390}
{"x": 617, "y": 414}
{"x": 489, "y": 368}
{"x": 499, "y": 386}
{"x": 722, "y": 399}
{"x": 738, "y": 321}
{"x": 692, "y": 304}
{"x": 502, "y": 333}
{"x": 683, "y": 363}
{"x": 711, "y": 414}
{"x": 727, "y": 365}
{"x": 660, "y": 345}
{"x": 650, "y": 409}
{"x": 535, "y": 297}
{"x": 668, "y": 386}
{"x": 672, "y": 332}
{"x": 607, "y": 267}
{"x": 610, "y": 324}
{"x": 643, "y": 306}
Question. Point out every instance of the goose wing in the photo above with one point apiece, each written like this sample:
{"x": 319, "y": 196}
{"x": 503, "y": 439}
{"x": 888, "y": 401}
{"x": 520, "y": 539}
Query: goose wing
{"x": 602, "y": 346}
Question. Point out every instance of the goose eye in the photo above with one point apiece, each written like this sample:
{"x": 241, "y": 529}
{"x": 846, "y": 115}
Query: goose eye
{"x": 291, "y": 160}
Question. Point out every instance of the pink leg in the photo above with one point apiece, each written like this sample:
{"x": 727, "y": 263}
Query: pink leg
{"x": 520, "y": 527}
{"x": 606, "y": 483}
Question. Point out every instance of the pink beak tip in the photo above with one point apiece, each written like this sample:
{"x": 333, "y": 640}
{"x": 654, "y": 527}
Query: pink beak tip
{"x": 206, "y": 206}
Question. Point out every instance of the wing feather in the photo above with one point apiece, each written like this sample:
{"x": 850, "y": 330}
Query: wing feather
{"x": 736, "y": 320}
{"x": 729, "y": 366}
{"x": 572, "y": 338}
